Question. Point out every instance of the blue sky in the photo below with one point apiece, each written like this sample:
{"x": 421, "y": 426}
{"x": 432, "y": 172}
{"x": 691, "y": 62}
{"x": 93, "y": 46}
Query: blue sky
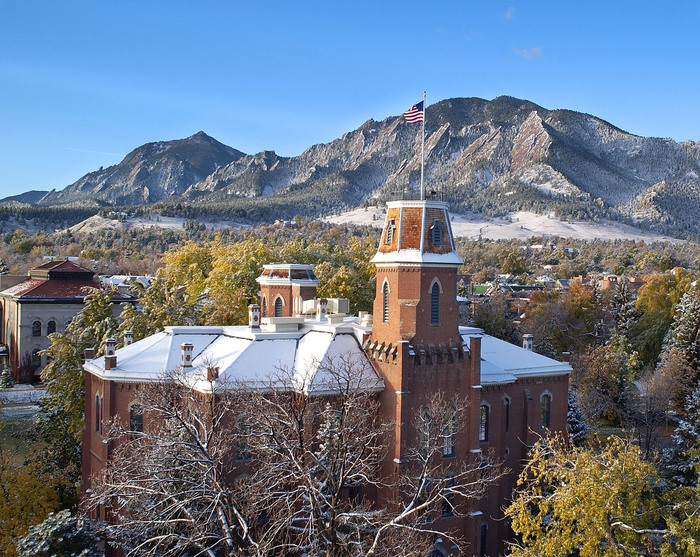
{"x": 84, "y": 82}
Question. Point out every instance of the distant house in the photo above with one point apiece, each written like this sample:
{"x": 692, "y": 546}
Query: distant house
{"x": 44, "y": 302}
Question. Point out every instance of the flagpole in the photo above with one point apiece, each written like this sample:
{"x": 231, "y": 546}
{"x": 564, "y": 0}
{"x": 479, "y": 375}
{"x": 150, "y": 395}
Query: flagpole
{"x": 422, "y": 152}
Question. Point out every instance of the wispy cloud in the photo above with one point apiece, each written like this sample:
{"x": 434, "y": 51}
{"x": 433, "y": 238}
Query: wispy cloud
{"x": 94, "y": 152}
{"x": 528, "y": 53}
{"x": 510, "y": 13}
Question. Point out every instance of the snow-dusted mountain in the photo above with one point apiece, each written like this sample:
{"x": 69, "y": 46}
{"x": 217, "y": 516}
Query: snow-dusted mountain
{"x": 493, "y": 156}
{"x": 150, "y": 173}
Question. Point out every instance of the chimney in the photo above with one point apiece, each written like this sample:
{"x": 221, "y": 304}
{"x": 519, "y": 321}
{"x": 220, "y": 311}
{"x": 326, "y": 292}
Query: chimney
{"x": 322, "y": 309}
{"x": 90, "y": 353}
{"x": 254, "y": 316}
{"x": 527, "y": 342}
{"x": 566, "y": 357}
{"x": 110, "y": 354}
{"x": 212, "y": 373}
{"x": 128, "y": 337}
{"x": 475, "y": 359}
{"x": 187, "y": 348}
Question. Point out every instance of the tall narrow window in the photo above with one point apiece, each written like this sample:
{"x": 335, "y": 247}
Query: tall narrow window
{"x": 546, "y": 409}
{"x": 97, "y": 413}
{"x": 264, "y": 306}
{"x": 448, "y": 502}
{"x": 389, "y": 236}
{"x": 425, "y": 425}
{"x": 278, "y": 307}
{"x": 435, "y": 304}
{"x": 36, "y": 357}
{"x": 50, "y": 328}
{"x": 437, "y": 232}
{"x": 448, "y": 433}
{"x": 483, "y": 423}
{"x": 36, "y": 329}
{"x": 506, "y": 403}
{"x": 385, "y": 302}
{"x": 136, "y": 418}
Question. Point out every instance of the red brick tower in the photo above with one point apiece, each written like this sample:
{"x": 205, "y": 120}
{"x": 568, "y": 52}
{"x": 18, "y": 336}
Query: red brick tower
{"x": 415, "y": 340}
{"x": 284, "y": 287}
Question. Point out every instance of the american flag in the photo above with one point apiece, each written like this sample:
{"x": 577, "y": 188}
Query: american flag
{"x": 415, "y": 113}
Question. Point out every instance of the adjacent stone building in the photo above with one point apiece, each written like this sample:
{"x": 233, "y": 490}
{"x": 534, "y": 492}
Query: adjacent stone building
{"x": 39, "y": 304}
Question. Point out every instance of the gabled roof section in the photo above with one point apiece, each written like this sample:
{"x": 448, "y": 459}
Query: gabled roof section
{"x": 66, "y": 291}
{"x": 503, "y": 362}
{"x": 417, "y": 232}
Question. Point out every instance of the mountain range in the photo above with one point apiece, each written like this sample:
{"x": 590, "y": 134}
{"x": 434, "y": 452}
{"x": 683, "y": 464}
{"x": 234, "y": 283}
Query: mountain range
{"x": 486, "y": 156}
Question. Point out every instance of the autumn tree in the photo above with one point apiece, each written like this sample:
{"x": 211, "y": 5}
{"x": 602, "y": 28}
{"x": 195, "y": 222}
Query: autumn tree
{"x": 587, "y": 501}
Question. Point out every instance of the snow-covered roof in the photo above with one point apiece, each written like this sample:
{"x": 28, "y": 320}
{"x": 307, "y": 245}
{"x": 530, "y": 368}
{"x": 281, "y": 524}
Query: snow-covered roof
{"x": 503, "y": 362}
{"x": 305, "y": 357}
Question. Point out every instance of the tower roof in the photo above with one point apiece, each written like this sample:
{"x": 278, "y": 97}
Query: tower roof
{"x": 286, "y": 273}
{"x": 417, "y": 232}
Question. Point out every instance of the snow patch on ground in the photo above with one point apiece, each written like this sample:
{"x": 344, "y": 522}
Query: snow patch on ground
{"x": 521, "y": 225}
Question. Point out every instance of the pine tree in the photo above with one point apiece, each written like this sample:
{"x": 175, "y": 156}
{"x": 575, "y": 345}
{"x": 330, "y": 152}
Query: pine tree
{"x": 623, "y": 309}
{"x": 6, "y": 381}
{"x": 685, "y": 329}
{"x": 62, "y": 534}
{"x": 681, "y": 459}
{"x": 577, "y": 428}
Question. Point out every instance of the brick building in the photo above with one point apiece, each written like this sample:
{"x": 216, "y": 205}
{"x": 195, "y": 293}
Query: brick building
{"x": 410, "y": 347}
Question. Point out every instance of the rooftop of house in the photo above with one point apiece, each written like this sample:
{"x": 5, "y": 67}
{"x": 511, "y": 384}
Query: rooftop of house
{"x": 293, "y": 349}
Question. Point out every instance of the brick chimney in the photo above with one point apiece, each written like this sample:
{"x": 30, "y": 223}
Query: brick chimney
{"x": 187, "y": 348}
{"x": 90, "y": 353}
{"x": 527, "y": 342}
{"x": 254, "y": 316}
{"x": 110, "y": 354}
{"x": 128, "y": 337}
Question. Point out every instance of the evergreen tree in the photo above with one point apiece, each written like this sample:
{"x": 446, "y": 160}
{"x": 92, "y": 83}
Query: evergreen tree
{"x": 577, "y": 428}
{"x": 685, "y": 329}
{"x": 61, "y": 420}
{"x": 623, "y": 309}
{"x": 6, "y": 381}
{"x": 62, "y": 534}
{"x": 682, "y": 459}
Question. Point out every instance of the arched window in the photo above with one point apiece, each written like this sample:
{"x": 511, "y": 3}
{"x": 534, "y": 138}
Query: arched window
{"x": 385, "y": 302}
{"x": 36, "y": 329}
{"x": 136, "y": 418}
{"x": 546, "y": 409}
{"x": 483, "y": 423}
{"x": 97, "y": 413}
{"x": 50, "y": 328}
{"x": 448, "y": 433}
{"x": 36, "y": 357}
{"x": 437, "y": 232}
{"x": 448, "y": 502}
{"x": 264, "y": 306}
{"x": 242, "y": 440}
{"x": 435, "y": 304}
{"x": 278, "y": 307}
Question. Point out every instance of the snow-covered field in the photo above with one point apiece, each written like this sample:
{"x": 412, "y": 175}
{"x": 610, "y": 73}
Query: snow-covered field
{"x": 522, "y": 225}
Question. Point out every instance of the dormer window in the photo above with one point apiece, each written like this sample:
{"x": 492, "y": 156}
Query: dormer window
{"x": 389, "y": 237}
{"x": 437, "y": 232}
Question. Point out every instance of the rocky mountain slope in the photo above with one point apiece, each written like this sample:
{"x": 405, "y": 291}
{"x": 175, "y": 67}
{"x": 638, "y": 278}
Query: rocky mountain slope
{"x": 489, "y": 156}
{"x": 150, "y": 173}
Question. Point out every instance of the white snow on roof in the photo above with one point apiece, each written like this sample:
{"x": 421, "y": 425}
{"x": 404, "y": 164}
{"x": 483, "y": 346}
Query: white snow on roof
{"x": 503, "y": 362}
{"x": 243, "y": 357}
{"x": 412, "y": 255}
